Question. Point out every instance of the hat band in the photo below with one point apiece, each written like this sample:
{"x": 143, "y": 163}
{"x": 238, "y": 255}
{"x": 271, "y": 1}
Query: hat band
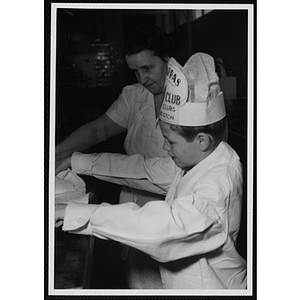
{"x": 202, "y": 113}
{"x": 197, "y": 113}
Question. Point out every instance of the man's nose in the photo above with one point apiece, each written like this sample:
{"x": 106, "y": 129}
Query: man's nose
{"x": 143, "y": 78}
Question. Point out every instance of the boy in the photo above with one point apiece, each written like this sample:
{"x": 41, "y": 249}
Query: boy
{"x": 192, "y": 233}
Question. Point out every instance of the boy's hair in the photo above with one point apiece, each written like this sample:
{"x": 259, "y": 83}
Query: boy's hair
{"x": 216, "y": 130}
{"x": 149, "y": 37}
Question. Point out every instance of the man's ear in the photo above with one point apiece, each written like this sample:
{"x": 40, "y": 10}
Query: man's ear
{"x": 204, "y": 140}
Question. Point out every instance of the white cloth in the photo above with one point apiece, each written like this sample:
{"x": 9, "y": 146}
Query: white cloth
{"x": 69, "y": 186}
{"x": 192, "y": 233}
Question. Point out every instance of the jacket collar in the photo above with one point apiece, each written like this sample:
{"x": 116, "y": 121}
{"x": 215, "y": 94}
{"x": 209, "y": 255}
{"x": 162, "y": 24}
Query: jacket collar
{"x": 223, "y": 154}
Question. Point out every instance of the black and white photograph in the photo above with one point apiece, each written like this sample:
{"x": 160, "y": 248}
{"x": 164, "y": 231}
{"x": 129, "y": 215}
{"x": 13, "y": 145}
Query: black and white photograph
{"x": 151, "y": 149}
{"x": 114, "y": 184}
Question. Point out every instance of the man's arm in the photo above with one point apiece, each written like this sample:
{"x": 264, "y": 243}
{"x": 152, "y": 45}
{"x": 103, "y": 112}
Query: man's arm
{"x": 151, "y": 174}
{"x": 83, "y": 138}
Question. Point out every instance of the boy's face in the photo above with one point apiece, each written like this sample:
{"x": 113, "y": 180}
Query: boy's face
{"x": 185, "y": 154}
{"x": 150, "y": 70}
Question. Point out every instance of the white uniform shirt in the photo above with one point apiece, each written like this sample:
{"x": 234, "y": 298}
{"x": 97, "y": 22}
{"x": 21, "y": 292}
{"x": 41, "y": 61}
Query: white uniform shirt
{"x": 134, "y": 110}
{"x": 192, "y": 233}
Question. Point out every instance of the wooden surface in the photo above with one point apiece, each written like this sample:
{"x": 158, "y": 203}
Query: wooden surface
{"x": 85, "y": 261}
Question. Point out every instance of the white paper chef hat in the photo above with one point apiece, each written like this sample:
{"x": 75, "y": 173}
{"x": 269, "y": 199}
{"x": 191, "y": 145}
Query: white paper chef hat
{"x": 192, "y": 94}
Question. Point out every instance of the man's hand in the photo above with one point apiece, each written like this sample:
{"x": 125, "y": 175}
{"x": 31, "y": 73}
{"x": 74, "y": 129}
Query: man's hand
{"x": 62, "y": 163}
{"x": 59, "y": 214}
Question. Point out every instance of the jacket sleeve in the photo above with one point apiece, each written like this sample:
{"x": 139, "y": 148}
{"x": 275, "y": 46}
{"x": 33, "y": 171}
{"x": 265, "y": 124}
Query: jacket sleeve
{"x": 120, "y": 108}
{"x": 165, "y": 232}
{"x": 151, "y": 174}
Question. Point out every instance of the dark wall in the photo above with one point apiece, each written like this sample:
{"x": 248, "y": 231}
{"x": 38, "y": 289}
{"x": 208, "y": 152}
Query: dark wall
{"x": 91, "y": 70}
{"x": 222, "y": 34}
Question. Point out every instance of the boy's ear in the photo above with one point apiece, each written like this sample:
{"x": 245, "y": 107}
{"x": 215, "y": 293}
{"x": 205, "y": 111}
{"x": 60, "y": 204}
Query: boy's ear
{"x": 204, "y": 140}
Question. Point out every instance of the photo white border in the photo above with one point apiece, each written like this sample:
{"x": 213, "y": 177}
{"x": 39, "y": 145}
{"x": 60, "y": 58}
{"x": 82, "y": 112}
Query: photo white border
{"x": 250, "y": 158}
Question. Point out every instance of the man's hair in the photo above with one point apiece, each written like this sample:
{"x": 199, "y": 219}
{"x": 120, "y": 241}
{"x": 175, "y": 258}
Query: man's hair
{"x": 149, "y": 37}
{"x": 216, "y": 130}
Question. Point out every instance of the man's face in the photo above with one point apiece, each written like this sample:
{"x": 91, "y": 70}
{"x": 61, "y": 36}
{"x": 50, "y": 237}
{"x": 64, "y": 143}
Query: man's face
{"x": 150, "y": 70}
{"x": 185, "y": 154}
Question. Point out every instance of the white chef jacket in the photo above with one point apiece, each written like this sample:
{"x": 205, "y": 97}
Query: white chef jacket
{"x": 192, "y": 233}
{"x": 152, "y": 174}
{"x": 135, "y": 110}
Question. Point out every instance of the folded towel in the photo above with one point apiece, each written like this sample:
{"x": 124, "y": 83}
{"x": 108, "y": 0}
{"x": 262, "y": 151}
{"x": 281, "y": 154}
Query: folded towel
{"x": 69, "y": 186}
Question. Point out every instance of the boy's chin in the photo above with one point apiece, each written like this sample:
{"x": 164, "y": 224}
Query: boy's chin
{"x": 178, "y": 164}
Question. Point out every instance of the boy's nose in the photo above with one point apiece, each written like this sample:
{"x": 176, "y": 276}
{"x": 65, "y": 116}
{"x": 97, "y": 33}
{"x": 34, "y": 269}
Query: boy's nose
{"x": 166, "y": 146}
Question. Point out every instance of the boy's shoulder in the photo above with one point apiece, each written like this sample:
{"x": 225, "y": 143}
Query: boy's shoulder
{"x": 224, "y": 154}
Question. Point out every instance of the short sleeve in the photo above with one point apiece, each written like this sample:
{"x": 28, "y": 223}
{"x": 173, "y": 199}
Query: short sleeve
{"x": 119, "y": 111}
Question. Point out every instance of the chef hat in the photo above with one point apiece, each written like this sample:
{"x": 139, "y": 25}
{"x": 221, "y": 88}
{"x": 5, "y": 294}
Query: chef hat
{"x": 192, "y": 94}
